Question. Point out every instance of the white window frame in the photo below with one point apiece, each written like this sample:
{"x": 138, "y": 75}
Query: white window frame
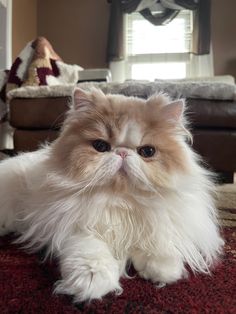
{"x": 155, "y": 58}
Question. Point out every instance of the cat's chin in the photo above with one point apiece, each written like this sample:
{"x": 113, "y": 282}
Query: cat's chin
{"x": 122, "y": 184}
{"x": 118, "y": 183}
{"x": 121, "y": 176}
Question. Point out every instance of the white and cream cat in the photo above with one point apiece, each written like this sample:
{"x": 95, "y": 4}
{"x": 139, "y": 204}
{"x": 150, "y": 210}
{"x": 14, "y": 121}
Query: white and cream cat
{"x": 119, "y": 184}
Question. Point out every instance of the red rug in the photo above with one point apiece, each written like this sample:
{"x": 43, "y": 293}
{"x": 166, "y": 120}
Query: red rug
{"x": 26, "y": 287}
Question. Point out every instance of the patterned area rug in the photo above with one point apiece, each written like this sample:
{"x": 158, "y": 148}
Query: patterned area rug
{"x": 26, "y": 286}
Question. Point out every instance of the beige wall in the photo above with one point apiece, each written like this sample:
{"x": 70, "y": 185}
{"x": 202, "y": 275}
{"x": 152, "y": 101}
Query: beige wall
{"x": 24, "y": 24}
{"x": 77, "y": 29}
{"x": 224, "y": 37}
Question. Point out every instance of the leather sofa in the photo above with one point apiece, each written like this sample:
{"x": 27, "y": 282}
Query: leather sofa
{"x": 213, "y": 125}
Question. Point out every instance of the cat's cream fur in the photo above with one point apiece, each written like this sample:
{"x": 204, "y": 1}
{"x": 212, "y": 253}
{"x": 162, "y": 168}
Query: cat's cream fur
{"x": 95, "y": 211}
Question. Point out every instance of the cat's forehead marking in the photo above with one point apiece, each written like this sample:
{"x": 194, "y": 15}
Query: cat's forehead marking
{"x": 130, "y": 134}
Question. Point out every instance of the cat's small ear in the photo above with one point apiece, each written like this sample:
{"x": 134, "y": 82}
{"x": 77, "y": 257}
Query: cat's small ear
{"x": 81, "y": 99}
{"x": 174, "y": 110}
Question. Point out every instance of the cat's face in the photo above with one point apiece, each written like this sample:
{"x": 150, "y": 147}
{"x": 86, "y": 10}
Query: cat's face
{"x": 122, "y": 143}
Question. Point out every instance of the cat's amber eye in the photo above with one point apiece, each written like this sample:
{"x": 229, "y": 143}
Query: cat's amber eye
{"x": 146, "y": 151}
{"x": 101, "y": 146}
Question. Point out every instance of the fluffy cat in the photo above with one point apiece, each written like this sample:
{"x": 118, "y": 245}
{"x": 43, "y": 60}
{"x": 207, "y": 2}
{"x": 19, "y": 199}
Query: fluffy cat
{"x": 119, "y": 184}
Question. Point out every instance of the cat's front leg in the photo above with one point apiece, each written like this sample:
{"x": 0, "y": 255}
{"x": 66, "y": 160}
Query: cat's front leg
{"x": 88, "y": 269}
{"x": 162, "y": 269}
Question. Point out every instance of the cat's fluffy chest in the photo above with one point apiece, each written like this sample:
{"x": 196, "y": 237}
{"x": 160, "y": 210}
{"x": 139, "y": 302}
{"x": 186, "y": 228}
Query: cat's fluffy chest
{"x": 124, "y": 224}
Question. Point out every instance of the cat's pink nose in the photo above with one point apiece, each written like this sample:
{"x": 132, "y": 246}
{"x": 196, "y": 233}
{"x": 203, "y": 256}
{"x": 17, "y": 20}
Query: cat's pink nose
{"x": 122, "y": 152}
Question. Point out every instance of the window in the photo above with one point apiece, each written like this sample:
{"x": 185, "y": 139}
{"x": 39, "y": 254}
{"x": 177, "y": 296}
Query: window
{"x": 158, "y": 51}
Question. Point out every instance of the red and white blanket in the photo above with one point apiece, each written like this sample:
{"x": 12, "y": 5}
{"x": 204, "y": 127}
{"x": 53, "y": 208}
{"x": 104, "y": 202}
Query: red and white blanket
{"x": 37, "y": 65}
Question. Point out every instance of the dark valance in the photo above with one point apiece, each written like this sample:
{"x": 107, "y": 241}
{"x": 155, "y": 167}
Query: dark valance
{"x": 159, "y": 12}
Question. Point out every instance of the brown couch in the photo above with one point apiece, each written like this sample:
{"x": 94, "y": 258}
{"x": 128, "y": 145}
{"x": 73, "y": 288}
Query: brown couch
{"x": 213, "y": 124}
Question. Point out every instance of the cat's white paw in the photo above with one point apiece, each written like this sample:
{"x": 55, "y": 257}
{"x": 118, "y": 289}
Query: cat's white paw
{"x": 162, "y": 270}
{"x": 90, "y": 281}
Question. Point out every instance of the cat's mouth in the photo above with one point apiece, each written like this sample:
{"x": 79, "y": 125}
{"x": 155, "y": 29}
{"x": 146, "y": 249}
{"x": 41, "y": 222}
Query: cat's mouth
{"x": 122, "y": 171}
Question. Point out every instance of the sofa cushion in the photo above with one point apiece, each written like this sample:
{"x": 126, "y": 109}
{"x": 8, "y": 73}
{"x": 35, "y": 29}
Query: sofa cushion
{"x": 217, "y": 147}
{"x": 212, "y": 113}
{"x": 38, "y": 113}
{"x": 27, "y": 140}
{"x": 48, "y": 112}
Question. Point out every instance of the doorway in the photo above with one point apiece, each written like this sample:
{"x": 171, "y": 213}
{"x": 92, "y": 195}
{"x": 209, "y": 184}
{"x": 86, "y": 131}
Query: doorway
{"x": 5, "y": 34}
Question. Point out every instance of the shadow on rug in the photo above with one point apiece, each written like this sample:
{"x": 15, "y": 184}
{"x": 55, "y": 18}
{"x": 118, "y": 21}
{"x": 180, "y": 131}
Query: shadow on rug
{"x": 26, "y": 286}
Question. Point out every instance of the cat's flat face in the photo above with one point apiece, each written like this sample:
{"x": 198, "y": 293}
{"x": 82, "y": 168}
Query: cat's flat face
{"x": 121, "y": 142}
